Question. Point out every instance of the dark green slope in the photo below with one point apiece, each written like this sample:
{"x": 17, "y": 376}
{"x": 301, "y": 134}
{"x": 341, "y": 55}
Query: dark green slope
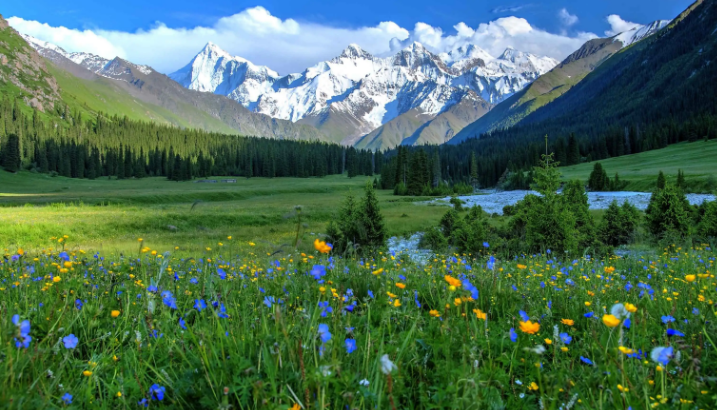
{"x": 545, "y": 89}
{"x": 666, "y": 78}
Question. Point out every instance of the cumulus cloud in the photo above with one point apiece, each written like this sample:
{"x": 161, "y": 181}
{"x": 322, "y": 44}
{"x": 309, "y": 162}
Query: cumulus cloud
{"x": 495, "y": 37}
{"x": 566, "y": 18}
{"x": 618, "y": 25}
{"x": 287, "y": 45}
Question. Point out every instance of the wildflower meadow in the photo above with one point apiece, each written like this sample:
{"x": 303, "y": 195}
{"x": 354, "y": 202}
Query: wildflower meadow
{"x": 237, "y": 328}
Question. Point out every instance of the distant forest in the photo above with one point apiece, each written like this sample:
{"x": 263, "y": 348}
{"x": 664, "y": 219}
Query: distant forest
{"x": 69, "y": 145}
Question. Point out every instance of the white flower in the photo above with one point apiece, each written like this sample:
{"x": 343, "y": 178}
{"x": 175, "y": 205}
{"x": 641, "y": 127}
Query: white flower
{"x": 387, "y": 365}
{"x": 518, "y": 382}
{"x": 618, "y": 310}
{"x": 539, "y": 349}
{"x": 364, "y": 382}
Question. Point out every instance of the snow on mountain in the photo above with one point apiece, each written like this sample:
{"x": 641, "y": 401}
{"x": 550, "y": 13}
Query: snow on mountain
{"x": 89, "y": 61}
{"x": 640, "y": 32}
{"x": 369, "y": 89}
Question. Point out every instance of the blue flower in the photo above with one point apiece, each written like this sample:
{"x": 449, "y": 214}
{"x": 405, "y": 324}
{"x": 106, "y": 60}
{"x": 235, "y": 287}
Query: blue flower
{"x": 70, "y": 341}
{"x": 325, "y": 308}
{"x": 472, "y": 289}
{"x": 491, "y": 263}
{"x": 64, "y": 256}
{"x": 486, "y": 245}
{"x": 200, "y": 304}
{"x": 24, "y": 328}
{"x": 169, "y": 300}
{"x": 566, "y": 338}
{"x": 143, "y": 403}
{"x": 667, "y": 319}
{"x": 589, "y": 314}
{"x": 193, "y": 281}
{"x": 370, "y": 294}
{"x": 662, "y": 354}
{"x": 524, "y": 316}
{"x": 513, "y": 335}
{"x": 221, "y": 273}
{"x": 673, "y": 332}
{"x": 67, "y": 398}
{"x": 222, "y": 312}
{"x": 182, "y": 323}
{"x": 586, "y": 360}
{"x": 157, "y": 392}
{"x": 78, "y": 304}
{"x": 318, "y": 271}
{"x": 695, "y": 311}
{"x": 268, "y": 300}
{"x": 350, "y": 345}
{"x": 324, "y": 333}
{"x": 627, "y": 322}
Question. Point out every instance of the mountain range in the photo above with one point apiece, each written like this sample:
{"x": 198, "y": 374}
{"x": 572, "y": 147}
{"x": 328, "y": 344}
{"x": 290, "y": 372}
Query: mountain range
{"x": 412, "y": 97}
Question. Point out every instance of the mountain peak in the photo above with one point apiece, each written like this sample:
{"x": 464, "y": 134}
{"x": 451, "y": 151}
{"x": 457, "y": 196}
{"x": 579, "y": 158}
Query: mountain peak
{"x": 638, "y": 33}
{"x": 355, "y": 51}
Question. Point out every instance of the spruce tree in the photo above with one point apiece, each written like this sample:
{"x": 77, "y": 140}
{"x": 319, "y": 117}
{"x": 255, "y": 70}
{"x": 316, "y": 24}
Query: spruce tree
{"x": 11, "y": 153}
{"x": 661, "y": 180}
{"x": 372, "y": 219}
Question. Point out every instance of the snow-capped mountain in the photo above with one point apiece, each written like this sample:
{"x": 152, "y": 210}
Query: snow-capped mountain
{"x": 92, "y": 62}
{"x": 638, "y": 33}
{"x": 369, "y": 90}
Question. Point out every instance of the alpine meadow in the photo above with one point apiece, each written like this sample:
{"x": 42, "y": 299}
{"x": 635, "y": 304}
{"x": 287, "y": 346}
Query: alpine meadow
{"x": 506, "y": 206}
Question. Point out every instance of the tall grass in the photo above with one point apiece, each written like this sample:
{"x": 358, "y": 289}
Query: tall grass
{"x": 232, "y": 327}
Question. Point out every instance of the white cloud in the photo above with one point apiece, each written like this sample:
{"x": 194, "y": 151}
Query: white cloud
{"x": 566, "y": 18}
{"x": 291, "y": 46}
{"x": 618, "y": 25}
{"x": 496, "y": 36}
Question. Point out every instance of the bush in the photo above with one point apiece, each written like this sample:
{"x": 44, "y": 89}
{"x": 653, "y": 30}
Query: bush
{"x": 434, "y": 239}
{"x": 668, "y": 213}
{"x": 619, "y": 224}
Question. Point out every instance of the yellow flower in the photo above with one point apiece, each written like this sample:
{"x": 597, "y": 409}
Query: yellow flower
{"x": 564, "y": 349}
{"x": 479, "y": 314}
{"x": 401, "y": 285}
{"x": 609, "y": 269}
{"x": 56, "y": 279}
{"x": 67, "y": 264}
{"x": 690, "y": 278}
{"x": 548, "y": 341}
{"x": 295, "y": 407}
{"x": 533, "y": 386}
{"x": 396, "y": 303}
{"x": 568, "y": 322}
{"x": 87, "y": 373}
{"x": 625, "y": 350}
{"x": 610, "y": 321}
{"x": 529, "y": 327}
{"x": 119, "y": 394}
{"x": 322, "y": 289}
{"x": 322, "y": 246}
{"x": 434, "y": 313}
{"x": 452, "y": 281}
{"x": 457, "y": 301}
{"x": 630, "y": 307}
{"x": 588, "y": 303}
{"x": 115, "y": 313}
{"x": 139, "y": 239}
{"x": 378, "y": 271}
{"x": 521, "y": 266}
{"x": 20, "y": 252}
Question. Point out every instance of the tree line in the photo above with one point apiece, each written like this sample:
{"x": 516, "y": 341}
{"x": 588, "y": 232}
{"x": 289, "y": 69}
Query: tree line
{"x": 66, "y": 144}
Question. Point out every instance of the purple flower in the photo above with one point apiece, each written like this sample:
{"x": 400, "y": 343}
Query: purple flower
{"x": 70, "y": 341}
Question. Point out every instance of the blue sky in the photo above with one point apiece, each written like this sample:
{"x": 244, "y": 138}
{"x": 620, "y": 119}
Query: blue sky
{"x": 290, "y": 35}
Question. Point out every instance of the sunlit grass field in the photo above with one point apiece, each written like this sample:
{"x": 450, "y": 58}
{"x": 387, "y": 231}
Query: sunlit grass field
{"x": 111, "y": 214}
{"x": 695, "y": 159}
{"x": 234, "y": 328}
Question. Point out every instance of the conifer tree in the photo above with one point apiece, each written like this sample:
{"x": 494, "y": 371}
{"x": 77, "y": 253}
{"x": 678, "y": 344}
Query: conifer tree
{"x": 372, "y": 219}
{"x": 11, "y": 154}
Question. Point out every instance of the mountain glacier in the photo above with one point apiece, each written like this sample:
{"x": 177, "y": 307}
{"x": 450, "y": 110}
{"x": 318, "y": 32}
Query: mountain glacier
{"x": 363, "y": 89}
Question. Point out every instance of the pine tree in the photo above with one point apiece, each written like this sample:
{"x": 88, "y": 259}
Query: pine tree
{"x": 473, "y": 170}
{"x": 372, "y": 219}
{"x": 680, "y": 179}
{"x": 661, "y": 180}
{"x": 11, "y": 154}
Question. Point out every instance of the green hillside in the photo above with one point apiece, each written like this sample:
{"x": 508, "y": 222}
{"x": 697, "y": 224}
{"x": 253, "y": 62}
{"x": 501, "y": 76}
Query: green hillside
{"x": 106, "y": 95}
{"x": 696, "y": 160}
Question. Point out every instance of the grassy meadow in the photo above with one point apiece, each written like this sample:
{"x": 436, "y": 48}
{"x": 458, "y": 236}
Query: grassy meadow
{"x": 112, "y": 214}
{"x": 696, "y": 159}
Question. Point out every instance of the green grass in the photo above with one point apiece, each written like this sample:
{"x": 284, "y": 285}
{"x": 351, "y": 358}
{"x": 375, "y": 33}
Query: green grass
{"x": 111, "y": 214}
{"x": 696, "y": 159}
{"x": 92, "y": 96}
{"x": 101, "y": 339}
